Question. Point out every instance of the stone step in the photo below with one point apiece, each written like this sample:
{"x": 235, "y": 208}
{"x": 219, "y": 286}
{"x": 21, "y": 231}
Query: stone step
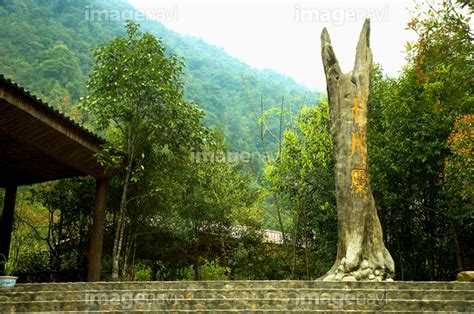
{"x": 244, "y": 311}
{"x": 401, "y": 285}
{"x": 239, "y": 296}
{"x": 241, "y": 305}
{"x": 237, "y": 311}
{"x": 266, "y": 293}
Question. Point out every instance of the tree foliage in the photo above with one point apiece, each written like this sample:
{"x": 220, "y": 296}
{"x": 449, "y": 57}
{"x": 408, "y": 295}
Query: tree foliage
{"x": 135, "y": 94}
{"x": 412, "y": 151}
{"x": 302, "y": 177}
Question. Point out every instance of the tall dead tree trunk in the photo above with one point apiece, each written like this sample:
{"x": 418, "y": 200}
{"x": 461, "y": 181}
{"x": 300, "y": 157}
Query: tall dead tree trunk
{"x": 361, "y": 253}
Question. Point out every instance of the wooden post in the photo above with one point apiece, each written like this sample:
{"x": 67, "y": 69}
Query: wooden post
{"x": 6, "y": 224}
{"x": 95, "y": 251}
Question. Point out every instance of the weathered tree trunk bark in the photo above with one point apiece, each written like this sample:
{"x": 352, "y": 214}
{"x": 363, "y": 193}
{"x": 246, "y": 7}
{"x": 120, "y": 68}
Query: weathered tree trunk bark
{"x": 361, "y": 253}
{"x": 126, "y": 253}
{"x": 117, "y": 247}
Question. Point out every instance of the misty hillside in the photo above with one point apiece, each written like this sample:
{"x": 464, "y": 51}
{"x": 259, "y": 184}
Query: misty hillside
{"x": 46, "y": 46}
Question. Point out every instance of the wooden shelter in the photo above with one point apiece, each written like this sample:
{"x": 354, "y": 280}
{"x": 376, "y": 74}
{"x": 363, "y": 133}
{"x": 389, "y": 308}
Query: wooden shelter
{"x": 38, "y": 144}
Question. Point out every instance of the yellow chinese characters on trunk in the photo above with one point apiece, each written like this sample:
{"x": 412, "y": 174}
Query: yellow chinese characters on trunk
{"x": 357, "y": 141}
{"x": 356, "y": 109}
{"x": 359, "y": 181}
{"x": 359, "y": 174}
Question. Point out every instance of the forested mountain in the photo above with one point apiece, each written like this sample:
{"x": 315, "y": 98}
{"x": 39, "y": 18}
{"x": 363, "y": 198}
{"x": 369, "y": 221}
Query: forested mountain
{"x": 46, "y": 46}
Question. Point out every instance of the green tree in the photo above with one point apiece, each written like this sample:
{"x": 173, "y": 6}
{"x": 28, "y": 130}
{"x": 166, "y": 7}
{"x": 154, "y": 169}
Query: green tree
{"x": 217, "y": 201}
{"x": 302, "y": 177}
{"x": 69, "y": 204}
{"x": 135, "y": 95}
{"x": 443, "y": 61}
{"x": 408, "y": 145}
{"x": 411, "y": 123}
{"x": 458, "y": 188}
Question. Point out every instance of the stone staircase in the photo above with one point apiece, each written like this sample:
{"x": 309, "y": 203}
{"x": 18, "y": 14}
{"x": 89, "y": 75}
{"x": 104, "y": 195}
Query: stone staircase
{"x": 239, "y": 296}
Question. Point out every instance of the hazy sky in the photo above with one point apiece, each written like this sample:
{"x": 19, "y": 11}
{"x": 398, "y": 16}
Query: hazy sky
{"x": 284, "y": 35}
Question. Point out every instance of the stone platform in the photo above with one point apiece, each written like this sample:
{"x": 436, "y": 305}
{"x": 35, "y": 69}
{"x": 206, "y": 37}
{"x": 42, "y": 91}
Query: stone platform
{"x": 240, "y": 296}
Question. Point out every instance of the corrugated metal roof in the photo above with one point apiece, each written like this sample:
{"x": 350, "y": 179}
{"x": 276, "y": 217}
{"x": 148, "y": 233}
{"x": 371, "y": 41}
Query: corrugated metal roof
{"x": 50, "y": 108}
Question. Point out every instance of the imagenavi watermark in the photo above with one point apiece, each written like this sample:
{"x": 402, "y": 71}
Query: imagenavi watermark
{"x": 231, "y": 158}
{"x": 341, "y": 300}
{"x": 128, "y": 300}
{"x": 331, "y": 300}
{"x": 163, "y": 14}
{"x": 339, "y": 16}
{"x": 228, "y": 158}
